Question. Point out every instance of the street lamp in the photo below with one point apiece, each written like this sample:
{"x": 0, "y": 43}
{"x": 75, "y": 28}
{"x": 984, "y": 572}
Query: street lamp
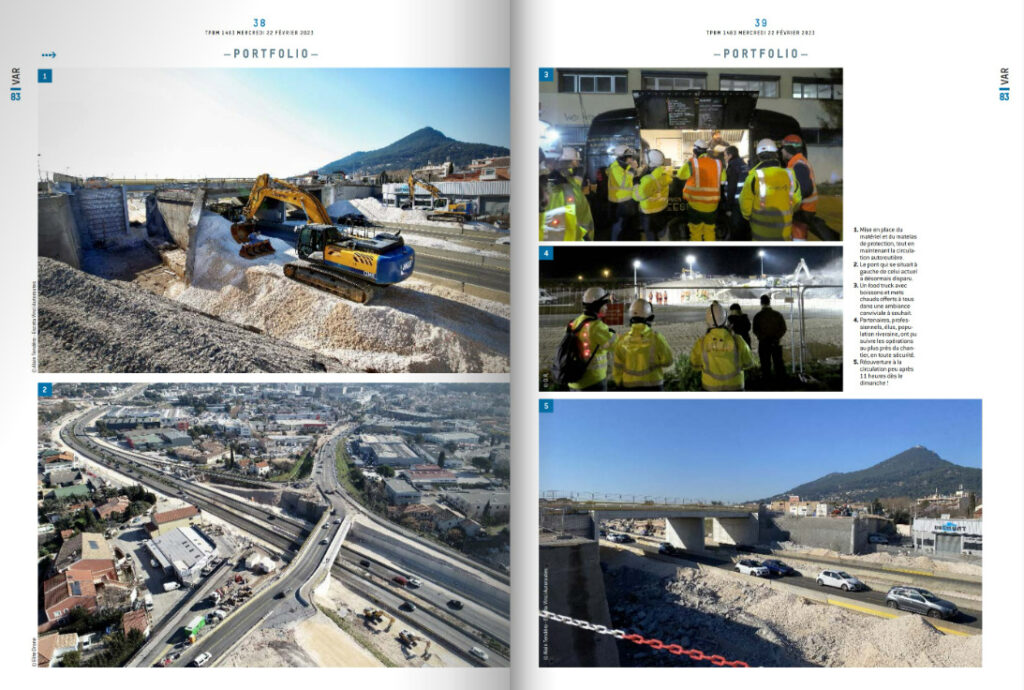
{"x": 579, "y": 277}
{"x": 760, "y": 253}
{"x": 636, "y": 291}
{"x": 606, "y": 273}
{"x": 691, "y": 259}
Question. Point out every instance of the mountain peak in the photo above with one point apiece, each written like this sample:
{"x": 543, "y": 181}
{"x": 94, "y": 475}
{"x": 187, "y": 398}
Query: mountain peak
{"x": 916, "y": 472}
{"x": 414, "y": 150}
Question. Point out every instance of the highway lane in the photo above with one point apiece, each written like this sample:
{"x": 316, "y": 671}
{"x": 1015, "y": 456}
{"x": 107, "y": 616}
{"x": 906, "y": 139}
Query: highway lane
{"x": 484, "y": 276}
{"x": 805, "y": 580}
{"x": 435, "y": 627}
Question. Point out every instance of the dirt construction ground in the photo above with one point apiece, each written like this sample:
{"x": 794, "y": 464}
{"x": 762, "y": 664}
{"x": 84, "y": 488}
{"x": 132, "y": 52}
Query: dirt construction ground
{"x": 715, "y": 613}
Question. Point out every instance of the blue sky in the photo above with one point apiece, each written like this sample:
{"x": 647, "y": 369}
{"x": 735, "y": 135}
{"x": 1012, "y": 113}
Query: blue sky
{"x": 734, "y": 450}
{"x": 241, "y": 122}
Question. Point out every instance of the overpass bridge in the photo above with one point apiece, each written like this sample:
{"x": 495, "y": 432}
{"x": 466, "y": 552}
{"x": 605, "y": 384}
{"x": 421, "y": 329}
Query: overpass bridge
{"x": 684, "y": 523}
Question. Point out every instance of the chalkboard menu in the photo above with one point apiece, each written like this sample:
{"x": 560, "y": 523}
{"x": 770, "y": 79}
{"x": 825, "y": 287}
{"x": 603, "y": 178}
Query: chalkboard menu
{"x": 682, "y": 112}
{"x": 710, "y": 112}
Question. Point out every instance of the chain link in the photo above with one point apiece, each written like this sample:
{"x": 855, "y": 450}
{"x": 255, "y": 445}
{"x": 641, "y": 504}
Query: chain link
{"x": 678, "y": 650}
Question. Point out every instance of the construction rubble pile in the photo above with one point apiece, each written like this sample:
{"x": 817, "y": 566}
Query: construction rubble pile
{"x": 88, "y": 324}
{"x": 414, "y": 326}
{"x": 713, "y": 612}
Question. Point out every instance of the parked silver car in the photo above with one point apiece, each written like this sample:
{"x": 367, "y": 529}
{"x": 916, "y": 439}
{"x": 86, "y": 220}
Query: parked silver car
{"x": 840, "y": 579}
{"x": 921, "y": 601}
{"x": 751, "y": 567}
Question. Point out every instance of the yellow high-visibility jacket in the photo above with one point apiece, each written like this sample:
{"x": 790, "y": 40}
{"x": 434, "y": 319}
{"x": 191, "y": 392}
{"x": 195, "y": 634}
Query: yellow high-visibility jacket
{"x": 595, "y": 339}
{"x": 640, "y": 356}
{"x": 620, "y": 183}
{"x": 770, "y": 196}
{"x": 721, "y": 356}
{"x": 652, "y": 192}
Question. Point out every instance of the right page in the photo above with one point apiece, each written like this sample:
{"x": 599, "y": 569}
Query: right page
{"x": 777, "y": 282}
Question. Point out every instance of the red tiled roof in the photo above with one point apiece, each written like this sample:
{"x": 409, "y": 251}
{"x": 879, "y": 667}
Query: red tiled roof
{"x": 172, "y": 515}
{"x": 65, "y": 586}
{"x": 135, "y": 620}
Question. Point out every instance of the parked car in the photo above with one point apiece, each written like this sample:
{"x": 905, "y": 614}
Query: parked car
{"x": 751, "y": 567}
{"x": 840, "y": 579}
{"x": 478, "y": 653}
{"x": 878, "y": 539}
{"x": 666, "y": 548}
{"x": 201, "y": 659}
{"x": 777, "y": 567}
{"x": 920, "y": 600}
{"x": 454, "y": 604}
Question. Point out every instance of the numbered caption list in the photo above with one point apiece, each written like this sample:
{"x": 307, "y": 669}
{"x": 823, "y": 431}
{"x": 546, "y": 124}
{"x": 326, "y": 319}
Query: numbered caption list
{"x": 885, "y": 270}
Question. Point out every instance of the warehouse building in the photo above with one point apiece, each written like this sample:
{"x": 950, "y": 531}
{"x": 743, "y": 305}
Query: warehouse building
{"x": 183, "y": 553}
{"x": 947, "y": 536}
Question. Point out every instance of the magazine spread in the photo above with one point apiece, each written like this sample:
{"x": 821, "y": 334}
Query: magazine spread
{"x": 261, "y": 354}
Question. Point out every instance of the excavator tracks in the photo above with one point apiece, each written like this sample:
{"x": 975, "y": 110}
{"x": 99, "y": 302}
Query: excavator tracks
{"x": 351, "y": 289}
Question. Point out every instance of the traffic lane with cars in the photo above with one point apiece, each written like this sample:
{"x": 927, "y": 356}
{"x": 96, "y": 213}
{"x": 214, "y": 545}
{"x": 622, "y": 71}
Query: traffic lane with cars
{"x": 430, "y": 567}
{"x": 807, "y": 579}
{"x": 465, "y": 611}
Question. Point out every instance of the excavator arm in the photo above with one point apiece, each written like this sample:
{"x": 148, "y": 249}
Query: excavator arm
{"x": 267, "y": 187}
{"x": 447, "y": 211}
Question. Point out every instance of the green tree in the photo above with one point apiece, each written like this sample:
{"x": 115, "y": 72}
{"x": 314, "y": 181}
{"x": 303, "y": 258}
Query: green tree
{"x": 440, "y": 459}
{"x": 876, "y": 507}
{"x": 71, "y": 659}
{"x": 386, "y": 471}
{"x": 481, "y": 463}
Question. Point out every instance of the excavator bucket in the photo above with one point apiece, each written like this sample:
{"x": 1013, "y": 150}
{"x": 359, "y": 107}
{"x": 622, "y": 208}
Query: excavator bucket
{"x": 240, "y": 231}
{"x": 254, "y": 250}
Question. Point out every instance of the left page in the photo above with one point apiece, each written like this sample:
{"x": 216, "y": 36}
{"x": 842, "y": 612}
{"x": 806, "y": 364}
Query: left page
{"x": 258, "y": 359}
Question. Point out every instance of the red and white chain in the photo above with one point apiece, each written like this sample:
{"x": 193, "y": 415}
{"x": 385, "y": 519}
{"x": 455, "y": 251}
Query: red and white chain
{"x": 695, "y": 654}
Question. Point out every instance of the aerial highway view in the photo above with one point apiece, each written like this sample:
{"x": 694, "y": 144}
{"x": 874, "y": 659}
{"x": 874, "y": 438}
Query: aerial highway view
{"x": 293, "y": 525}
{"x": 725, "y": 550}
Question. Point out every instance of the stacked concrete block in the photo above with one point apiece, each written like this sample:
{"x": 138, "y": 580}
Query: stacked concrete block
{"x": 104, "y": 215}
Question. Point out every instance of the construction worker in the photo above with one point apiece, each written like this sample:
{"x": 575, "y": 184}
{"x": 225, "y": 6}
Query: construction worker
{"x": 652, "y": 195}
{"x": 641, "y": 354}
{"x": 567, "y": 216}
{"x": 735, "y": 173}
{"x": 595, "y": 339}
{"x": 720, "y": 355}
{"x": 793, "y": 155}
{"x": 769, "y": 196}
{"x": 621, "y": 174}
{"x": 769, "y": 327}
{"x": 739, "y": 322}
{"x": 703, "y": 176}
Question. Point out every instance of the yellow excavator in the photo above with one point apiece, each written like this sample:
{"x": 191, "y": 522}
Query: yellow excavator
{"x": 441, "y": 208}
{"x": 409, "y": 640}
{"x": 376, "y": 616}
{"x": 348, "y": 262}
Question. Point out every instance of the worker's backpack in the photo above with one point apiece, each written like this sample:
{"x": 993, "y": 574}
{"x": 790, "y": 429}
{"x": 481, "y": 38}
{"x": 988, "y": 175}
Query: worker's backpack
{"x": 569, "y": 366}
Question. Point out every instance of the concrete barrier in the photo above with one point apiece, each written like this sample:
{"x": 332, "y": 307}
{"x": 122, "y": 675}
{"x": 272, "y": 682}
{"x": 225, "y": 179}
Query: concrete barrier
{"x": 468, "y": 288}
{"x": 58, "y": 232}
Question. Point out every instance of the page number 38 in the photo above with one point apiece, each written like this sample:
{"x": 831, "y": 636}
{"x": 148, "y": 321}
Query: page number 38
{"x": 760, "y": 22}
{"x": 259, "y": 22}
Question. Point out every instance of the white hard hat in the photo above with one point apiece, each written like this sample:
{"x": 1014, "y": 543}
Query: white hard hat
{"x": 766, "y": 146}
{"x": 655, "y": 158}
{"x": 594, "y": 295}
{"x": 700, "y": 144}
{"x": 715, "y": 316}
{"x": 641, "y": 309}
{"x": 622, "y": 150}
{"x": 569, "y": 154}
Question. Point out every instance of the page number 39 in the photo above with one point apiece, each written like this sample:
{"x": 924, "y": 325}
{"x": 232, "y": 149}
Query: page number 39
{"x": 760, "y": 22}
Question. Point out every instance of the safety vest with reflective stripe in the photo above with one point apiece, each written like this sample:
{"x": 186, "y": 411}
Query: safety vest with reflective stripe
{"x": 561, "y": 220}
{"x": 594, "y": 339}
{"x": 620, "y": 183}
{"x": 809, "y": 203}
{"x": 721, "y": 356}
{"x": 703, "y": 184}
{"x": 769, "y": 197}
{"x": 640, "y": 356}
{"x": 652, "y": 192}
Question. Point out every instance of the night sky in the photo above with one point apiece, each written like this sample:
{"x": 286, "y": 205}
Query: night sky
{"x": 661, "y": 262}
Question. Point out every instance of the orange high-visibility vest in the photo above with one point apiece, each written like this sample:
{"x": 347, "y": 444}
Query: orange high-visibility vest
{"x": 703, "y": 189}
{"x": 809, "y": 203}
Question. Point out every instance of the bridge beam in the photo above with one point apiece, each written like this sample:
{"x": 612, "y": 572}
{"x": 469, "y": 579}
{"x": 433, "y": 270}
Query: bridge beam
{"x": 737, "y": 531}
{"x": 685, "y": 533}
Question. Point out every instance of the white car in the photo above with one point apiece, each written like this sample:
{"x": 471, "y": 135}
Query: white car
{"x": 840, "y": 579}
{"x": 478, "y": 653}
{"x": 546, "y": 297}
{"x": 415, "y": 582}
{"x": 751, "y": 567}
{"x": 201, "y": 659}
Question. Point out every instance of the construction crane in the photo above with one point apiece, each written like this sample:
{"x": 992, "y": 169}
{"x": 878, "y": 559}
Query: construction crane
{"x": 332, "y": 258}
{"x": 441, "y": 208}
{"x": 376, "y": 616}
